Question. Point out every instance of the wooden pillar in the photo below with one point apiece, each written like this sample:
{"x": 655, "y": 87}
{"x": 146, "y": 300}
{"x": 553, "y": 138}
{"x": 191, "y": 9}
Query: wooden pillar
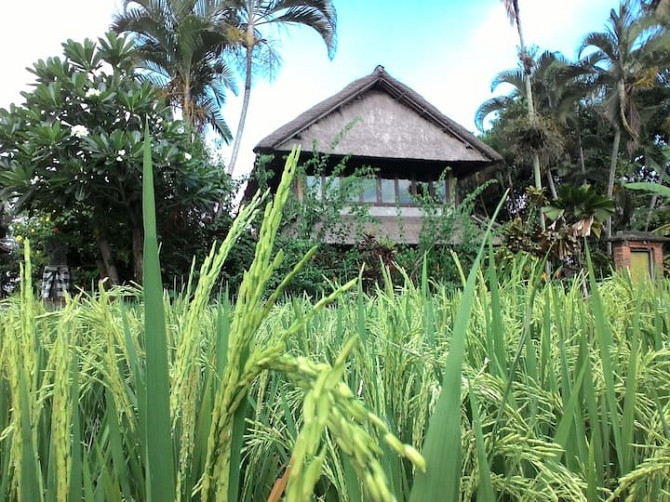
{"x": 451, "y": 189}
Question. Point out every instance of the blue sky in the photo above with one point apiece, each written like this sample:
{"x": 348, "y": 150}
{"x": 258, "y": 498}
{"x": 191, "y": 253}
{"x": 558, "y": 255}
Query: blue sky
{"x": 448, "y": 51}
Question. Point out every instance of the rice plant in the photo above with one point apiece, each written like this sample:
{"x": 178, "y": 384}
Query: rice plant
{"x": 123, "y": 396}
{"x": 537, "y": 390}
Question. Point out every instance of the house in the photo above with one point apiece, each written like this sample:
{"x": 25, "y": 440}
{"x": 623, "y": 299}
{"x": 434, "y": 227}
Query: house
{"x": 387, "y": 126}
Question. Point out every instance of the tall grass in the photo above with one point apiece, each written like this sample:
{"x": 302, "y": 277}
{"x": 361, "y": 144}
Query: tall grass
{"x": 541, "y": 424}
{"x": 543, "y": 392}
{"x": 124, "y": 396}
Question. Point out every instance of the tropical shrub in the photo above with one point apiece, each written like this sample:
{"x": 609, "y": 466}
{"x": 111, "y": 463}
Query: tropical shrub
{"x": 74, "y": 150}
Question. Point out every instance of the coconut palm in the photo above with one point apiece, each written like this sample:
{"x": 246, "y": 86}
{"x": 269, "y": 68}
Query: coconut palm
{"x": 181, "y": 47}
{"x": 660, "y": 8}
{"x": 618, "y": 63}
{"x": 253, "y": 16}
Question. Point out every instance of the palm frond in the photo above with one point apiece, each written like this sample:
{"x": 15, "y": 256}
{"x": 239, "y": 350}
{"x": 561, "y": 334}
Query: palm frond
{"x": 490, "y": 106}
{"x": 513, "y": 77}
{"x": 320, "y": 15}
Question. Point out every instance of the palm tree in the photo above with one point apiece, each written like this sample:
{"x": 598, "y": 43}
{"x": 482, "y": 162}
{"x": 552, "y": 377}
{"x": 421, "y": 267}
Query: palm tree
{"x": 556, "y": 101}
{"x": 512, "y": 8}
{"x": 554, "y": 96}
{"x": 252, "y": 17}
{"x": 619, "y": 62}
{"x": 660, "y": 8}
{"x": 181, "y": 47}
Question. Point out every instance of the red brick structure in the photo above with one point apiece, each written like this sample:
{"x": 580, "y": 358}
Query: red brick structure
{"x": 632, "y": 250}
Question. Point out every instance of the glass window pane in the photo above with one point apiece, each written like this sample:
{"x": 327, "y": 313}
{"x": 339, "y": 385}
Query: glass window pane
{"x": 404, "y": 192}
{"x": 332, "y": 186}
{"x": 441, "y": 190}
{"x": 388, "y": 191}
{"x": 423, "y": 189}
{"x": 369, "y": 190}
{"x": 314, "y": 186}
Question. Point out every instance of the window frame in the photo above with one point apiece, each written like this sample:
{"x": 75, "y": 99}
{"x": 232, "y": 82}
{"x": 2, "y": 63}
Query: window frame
{"x": 414, "y": 183}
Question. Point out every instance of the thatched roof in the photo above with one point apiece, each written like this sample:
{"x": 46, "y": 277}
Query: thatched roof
{"x": 432, "y": 136}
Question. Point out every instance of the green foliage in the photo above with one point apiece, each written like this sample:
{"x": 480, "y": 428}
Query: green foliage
{"x": 74, "y": 149}
{"x": 446, "y": 229}
{"x": 537, "y": 136}
{"x": 661, "y": 212}
{"x": 616, "y": 93}
{"x": 577, "y": 214}
{"x": 661, "y": 190}
{"x": 314, "y": 217}
{"x": 581, "y": 209}
{"x": 181, "y": 47}
{"x": 536, "y": 357}
{"x": 329, "y": 215}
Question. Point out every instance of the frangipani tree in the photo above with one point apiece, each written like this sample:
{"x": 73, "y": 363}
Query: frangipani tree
{"x": 76, "y": 144}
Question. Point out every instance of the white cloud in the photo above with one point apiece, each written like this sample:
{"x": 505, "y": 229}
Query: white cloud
{"x": 35, "y": 29}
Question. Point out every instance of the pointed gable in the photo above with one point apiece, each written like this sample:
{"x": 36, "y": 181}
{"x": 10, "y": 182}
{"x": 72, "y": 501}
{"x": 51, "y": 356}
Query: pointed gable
{"x": 388, "y": 120}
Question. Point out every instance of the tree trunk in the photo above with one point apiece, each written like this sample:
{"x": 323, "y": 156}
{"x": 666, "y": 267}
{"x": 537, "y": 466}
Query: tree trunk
{"x": 610, "y": 183}
{"x": 245, "y": 106}
{"x": 186, "y": 105}
{"x": 107, "y": 259}
{"x": 138, "y": 252}
{"x": 550, "y": 183}
{"x": 582, "y": 165}
{"x": 650, "y": 213}
{"x": 527, "y": 67}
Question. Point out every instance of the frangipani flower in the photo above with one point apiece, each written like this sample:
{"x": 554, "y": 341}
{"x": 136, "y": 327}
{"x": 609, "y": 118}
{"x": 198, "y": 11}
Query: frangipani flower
{"x": 80, "y": 131}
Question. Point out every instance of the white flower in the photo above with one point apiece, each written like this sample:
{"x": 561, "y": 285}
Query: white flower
{"x": 93, "y": 93}
{"x": 34, "y": 180}
{"x": 80, "y": 131}
{"x": 122, "y": 153}
{"x": 188, "y": 156}
{"x": 119, "y": 158}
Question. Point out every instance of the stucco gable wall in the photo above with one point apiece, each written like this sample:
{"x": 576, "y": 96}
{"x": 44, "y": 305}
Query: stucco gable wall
{"x": 384, "y": 128}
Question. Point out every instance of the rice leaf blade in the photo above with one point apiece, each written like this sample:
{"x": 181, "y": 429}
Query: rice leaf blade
{"x": 442, "y": 443}
{"x": 159, "y": 455}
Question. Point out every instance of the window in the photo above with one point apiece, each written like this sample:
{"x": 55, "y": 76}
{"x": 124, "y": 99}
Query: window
{"x": 386, "y": 191}
{"x": 405, "y": 192}
{"x": 331, "y": 186}
{"x": 441, "y": 191}
{"x": 314, "y": 185}
{"x": 369, "y": 190}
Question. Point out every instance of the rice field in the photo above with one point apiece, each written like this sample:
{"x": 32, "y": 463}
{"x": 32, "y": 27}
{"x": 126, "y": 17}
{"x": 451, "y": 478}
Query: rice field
{"x": 512, "y": 388}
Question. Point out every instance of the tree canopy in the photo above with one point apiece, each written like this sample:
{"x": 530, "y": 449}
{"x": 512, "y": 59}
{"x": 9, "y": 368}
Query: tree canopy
{"x": 76, "y": 145}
